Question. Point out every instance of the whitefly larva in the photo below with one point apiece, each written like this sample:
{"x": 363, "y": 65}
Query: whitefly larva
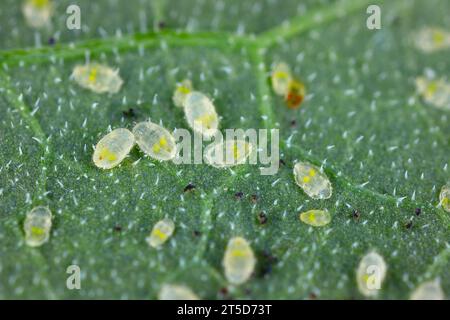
{"x": 239, "y": 261}
{"x": 37, "y": 226}
{"x": 312, "y": 180}
{"x": 97, "y": 77}
{"x": 113, "y": 148}
{"x": 155, "y": 140}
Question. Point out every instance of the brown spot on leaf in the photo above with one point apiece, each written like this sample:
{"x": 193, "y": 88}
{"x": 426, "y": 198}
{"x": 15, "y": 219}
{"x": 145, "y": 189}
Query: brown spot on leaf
{"x": 238, "y": 195}
{"x": 262, "y": 218}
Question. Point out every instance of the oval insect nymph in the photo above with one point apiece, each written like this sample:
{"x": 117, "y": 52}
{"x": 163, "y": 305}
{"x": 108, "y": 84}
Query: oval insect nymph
{"x": 97, "y": 77}
{"x": 431, "y": 39}
{"x": 370, "y": 274}
{"x": 176, "y": 292}
{"x": 155, "y": 140}
{"x": 295, "y": 94}
{"x": 37, "y": 226}
{"x": 435, "y": 92}
{"x": 37, "y": 13}
{"x": 444, "y": 198}
{"x": 316, "y": 218}
{"x": 315, "y": 183}
{"x": 281, "y": 77}
{"x": 113, "y": 148}
{"x": 181, "y": 92}
{"x": 429, "y": 290}
{"x": 201, "y": 114}
{"x": 228, "y": 153}
{"x": 239, "y": 261}
{"x": 161, "y": 232}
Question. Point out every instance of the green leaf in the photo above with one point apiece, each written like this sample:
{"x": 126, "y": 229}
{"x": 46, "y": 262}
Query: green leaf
{"x": 386, "y": 151}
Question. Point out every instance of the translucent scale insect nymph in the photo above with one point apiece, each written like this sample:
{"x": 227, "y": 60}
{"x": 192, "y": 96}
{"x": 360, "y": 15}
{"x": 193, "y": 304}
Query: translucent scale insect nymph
{"x": 435, "y": 92}
{"x": 161, "y": 232}
{"x": 312, "y": 180}
{"x": 97, "y": 78}
{"x": 239, "y": 261}
{"x": 430, "y": 39}
{"x": 113, "y": 148}
{"x": 281, "y": 77}
{"x": 370, "y": 274}
{"x": 201, "y": 114}
{"x": 316, "y": 218}
{"x": 37, "y": 226}
{"x": 155, "y": 140}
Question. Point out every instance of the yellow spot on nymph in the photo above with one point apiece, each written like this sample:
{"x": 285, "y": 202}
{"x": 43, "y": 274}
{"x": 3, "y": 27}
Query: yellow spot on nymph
{"x": 160, "y": 234}
{"x": 239, "y": 253}
{"x": 162, "y": 141}
{"x": 161, "y": 144}
{"x": 37, "y": 231}
{"x": 306, "y": 179}
{"x": 156, "y": 148}
{"x": 40, "y": 3}
{"x": 431, "y": 88}
{"x": 184, "y": 90}
{"x": 316, "y": 218}
{"x": 235, "y": 151}
{"x": 281, "y": 75}
{"x": 206, "y": 120}
{"x": 312, "y": 172}
{"x": 105, "y": 153}
{"x": 438, "y": 37}
{"x": 93, "y": 75}
{"x": 445, "y": 202}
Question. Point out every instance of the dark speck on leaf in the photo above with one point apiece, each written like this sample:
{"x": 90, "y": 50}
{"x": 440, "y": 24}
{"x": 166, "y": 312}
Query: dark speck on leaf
{"x": 418, "y": 211}
{"x": 197, "y": 233}
{"x": 312, "y": 296}
{"x": 130, "y": 113}
{"x": 267, "y": 262}
{"x": 409, "y": 225}
{"x": 161, "y": 25}
{"x": 262, "y": 218}
{"x": 51, "y": 41}
{"x": 189, "y": 187}
{"x": 356, "y": 214}
{"x": 254, "y": 198}
{"x": 223, "y": 293}
{"x": 117, "y": 228}
{"x": 293, "y": 123}
{"x": 282, "y": 162}
{"x": 238, "y": 195}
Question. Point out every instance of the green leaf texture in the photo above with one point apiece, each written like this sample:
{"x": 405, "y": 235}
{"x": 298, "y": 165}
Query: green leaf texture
{"x": 386, "y": 151}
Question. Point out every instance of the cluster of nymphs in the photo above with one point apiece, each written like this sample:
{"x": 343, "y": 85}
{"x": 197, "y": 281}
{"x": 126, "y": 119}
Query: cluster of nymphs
{"x": 153, "y": 139}
{"x": 316, "y": 185}
{"x": 434, "y": 91}
{"x": 284, "y": 84}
